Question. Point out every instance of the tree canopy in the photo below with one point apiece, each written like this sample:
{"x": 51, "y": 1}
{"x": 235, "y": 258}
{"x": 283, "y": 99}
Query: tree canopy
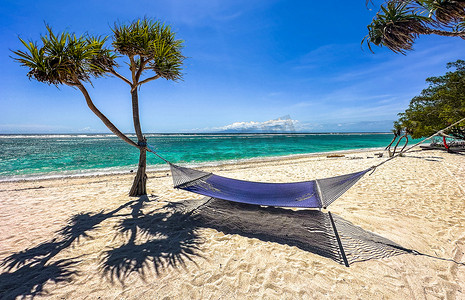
{"x": 154, "y": 47}
{"x": 441, "y": 104}
{"x": 398, "y": 23}
{"x": 65, "y": 58}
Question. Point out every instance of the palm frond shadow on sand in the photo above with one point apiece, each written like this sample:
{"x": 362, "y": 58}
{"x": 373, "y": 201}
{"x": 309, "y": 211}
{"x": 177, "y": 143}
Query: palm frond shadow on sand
{"x": 159, "y": 239}
{"x": 29, "y": 270}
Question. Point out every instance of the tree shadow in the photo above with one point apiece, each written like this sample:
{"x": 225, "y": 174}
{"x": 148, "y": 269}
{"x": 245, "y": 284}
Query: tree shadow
{"x": 159, "y": 239}
{"x": 427, "y": 158}
{"x": 461, "y": 152}
{"x": 29, "y": 270}
{"x": 30, "y": 279}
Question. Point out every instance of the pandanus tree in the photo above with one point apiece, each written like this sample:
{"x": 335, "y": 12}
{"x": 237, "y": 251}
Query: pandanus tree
{"x": 68, "y": 59}
{"x": 399, "y": 22}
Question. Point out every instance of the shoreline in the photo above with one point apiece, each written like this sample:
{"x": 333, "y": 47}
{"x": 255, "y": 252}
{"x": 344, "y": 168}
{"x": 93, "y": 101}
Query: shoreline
{"x": 155, "y": 169}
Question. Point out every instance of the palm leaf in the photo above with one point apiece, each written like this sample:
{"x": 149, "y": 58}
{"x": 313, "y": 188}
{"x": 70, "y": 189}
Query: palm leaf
{"x": 152, "y": 43}
{"x": 65, "y": 58}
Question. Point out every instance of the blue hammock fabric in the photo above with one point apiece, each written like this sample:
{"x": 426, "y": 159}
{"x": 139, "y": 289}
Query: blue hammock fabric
{"x": 310, "y": 194}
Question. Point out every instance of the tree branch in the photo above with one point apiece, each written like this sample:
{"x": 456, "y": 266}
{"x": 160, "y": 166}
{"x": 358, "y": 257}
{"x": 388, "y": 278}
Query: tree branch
{"x": 141, "y": 68}
{"x": 120, "y": 76}
{"x": 149, "y": 79}
{"x": 102, "y": 117}
{"x": 133, "y": 69}
{"x": 445, "y": 33}
{"x": 135, "y": 114}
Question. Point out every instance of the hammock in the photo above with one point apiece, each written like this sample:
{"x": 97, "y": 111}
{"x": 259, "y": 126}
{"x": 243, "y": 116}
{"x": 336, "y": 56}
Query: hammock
{"x": 318, "y": 193}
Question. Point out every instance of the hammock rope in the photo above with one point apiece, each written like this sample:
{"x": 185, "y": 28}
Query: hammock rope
{"x": 440, "y": 132}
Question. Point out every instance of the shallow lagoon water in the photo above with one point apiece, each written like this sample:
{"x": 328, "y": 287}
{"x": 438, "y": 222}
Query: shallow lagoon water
{"x": 25, "y": 156}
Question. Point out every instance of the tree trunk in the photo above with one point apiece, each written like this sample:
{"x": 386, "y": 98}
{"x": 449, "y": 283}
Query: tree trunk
{"x": 397, "y": 144}
{"x": 406, "y": 143}
{"x": 139, "y": 186}
{"x": 388, "y": 147}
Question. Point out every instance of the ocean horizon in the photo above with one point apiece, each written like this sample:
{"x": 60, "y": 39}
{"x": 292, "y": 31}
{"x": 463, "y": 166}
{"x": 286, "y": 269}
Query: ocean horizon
{"x": 38, "y": 156}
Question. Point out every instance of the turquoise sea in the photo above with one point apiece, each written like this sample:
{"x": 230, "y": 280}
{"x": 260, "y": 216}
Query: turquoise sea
{"x": 32, "y": 156}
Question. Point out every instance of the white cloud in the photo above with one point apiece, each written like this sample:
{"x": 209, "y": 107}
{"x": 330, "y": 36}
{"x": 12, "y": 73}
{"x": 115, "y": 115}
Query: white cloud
{"x": 283, "y": 124}
{"x": 288, "y": 125}
{"x": 87, "y": 130}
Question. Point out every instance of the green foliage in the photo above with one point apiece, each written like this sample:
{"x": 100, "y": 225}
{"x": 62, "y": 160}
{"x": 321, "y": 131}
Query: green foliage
{"x": 153, "y": 44}
{"x": 397, "y": 130}
{"x": 65, "y": 58}
{"x": 399, "y": 22}
{"x": 447, "y": 13}
{"x": 396, "y": 26}
{"x": 442, "y": 103}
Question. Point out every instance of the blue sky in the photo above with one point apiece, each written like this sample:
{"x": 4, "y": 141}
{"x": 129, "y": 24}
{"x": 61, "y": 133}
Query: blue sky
{"x": 248, "y": 62}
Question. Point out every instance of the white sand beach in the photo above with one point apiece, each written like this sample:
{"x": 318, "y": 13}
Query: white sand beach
{"x": 85, "y": 238}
